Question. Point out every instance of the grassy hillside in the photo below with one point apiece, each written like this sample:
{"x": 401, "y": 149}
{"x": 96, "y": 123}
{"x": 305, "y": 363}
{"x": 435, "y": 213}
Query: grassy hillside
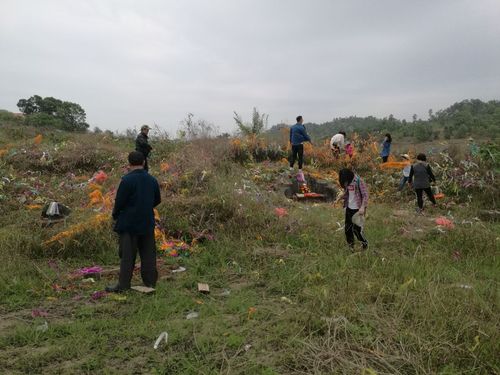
{"x": 287, "y": 296}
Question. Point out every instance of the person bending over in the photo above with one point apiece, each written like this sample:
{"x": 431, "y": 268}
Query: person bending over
{"x": 420, "y": 179}
{"x": 337, "y": 143}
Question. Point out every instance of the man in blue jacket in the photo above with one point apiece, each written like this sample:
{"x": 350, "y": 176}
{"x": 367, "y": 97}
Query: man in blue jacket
{"x": 298, "y": 135}
{"x": 136, "y": 197}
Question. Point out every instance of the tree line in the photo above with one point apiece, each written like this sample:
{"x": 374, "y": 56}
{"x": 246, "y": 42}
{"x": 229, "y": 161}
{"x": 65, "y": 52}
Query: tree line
{"x": 465, "y": 118}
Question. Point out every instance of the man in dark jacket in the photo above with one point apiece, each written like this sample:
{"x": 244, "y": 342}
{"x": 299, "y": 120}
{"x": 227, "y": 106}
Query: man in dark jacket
{"x": 136, "y": 197}
{"x": 142, "y": 145}
{"x": 298, "y": 135}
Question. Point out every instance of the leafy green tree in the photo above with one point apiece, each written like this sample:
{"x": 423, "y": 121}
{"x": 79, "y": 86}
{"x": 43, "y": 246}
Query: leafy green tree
{"x": 53, "y": 112}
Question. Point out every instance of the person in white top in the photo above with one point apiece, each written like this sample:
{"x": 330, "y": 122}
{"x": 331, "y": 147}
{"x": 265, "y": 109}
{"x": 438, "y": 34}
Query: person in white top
{"x": 337, "y": 143}
{"x": 406, "y": 172}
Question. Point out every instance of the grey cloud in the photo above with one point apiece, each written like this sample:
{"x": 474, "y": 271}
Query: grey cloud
{"x": 129, "y": 62}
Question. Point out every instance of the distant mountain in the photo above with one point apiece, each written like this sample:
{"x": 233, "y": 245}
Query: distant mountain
{"x": 468, "y": 117}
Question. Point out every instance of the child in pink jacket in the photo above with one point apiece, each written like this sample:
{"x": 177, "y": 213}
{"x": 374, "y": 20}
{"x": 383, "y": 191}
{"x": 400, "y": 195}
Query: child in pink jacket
{"x": 349, "y": 149}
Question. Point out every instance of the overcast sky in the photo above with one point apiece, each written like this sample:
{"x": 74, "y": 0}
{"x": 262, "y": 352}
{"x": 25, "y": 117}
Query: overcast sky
{"x": 133, "y": 62}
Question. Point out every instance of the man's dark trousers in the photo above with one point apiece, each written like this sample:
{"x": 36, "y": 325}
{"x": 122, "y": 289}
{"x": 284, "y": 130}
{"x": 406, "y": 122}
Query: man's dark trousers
{"x": 297, "y": 153}
{"x": 128, "y": 246}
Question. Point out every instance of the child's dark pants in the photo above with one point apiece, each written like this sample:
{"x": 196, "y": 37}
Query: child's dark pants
{"x": 420, "y": 198}
{"x": 352, "y": 229}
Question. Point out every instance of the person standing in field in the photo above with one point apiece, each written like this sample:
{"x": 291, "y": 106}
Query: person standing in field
{"x": 406, "y": 172}
{"x": 137, "y": 195}
{"x": 420, "y": 179}
{"x": 355, "y": 203}
{"x": 142, "y": 145}
{"x": 298, "y": 135}
{"x": 349, "y": 149}
{"x": 337, "y": 143}
{"x": 386, "y": 148}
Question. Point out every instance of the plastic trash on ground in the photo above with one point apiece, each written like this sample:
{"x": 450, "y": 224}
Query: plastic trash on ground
{"x": 42, "y": 327}
{"x": 99, "y": 177}
{"x": 444, "y": 222}
{"x": 178, "y": 270}
{"x": 192, "y": 315}
{"x": 98, "y": 295}
{"x": 280, "y": 211}
{"x": 35, "y": 313}
{"x": 163, "y": 336}
{"x": 300, "y": 177}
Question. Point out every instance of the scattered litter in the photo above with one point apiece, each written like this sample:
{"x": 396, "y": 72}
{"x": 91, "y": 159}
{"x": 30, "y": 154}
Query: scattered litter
{"x": 444, "y": 222}
{"x": 51, "y": 298}
{"x": 42, "y": 327}
{"x": 225, "y": 293}
{"x": 280, "y": 211}
{"x": 88, "y": 280}
{"x": 251, "y": 312}
{"x": 368, "y": 371}
{"x": 36, "y": 313}
{"x": 247, "y": 347}
{"x": 286, "y": 299}
{"x": 464, "y": 286}
{"x": 199, "y": 302}
{"x": 192, "y": 315}
{"x": 203, "y": 288}
{"x": 464, "y": 222}
{"x": 180, "y": 269}
{"x": 300, "y": 177}
{"x": 90, "y": 272}
{"x": 456, "y": 255}
{"x": 55, "y": 210}
{"x": 143, "y": 289}
{"x": 117, "y": 297}
{"x": 99, "y": 177}
{"x": 313, "y": 195}
{"x": 410, "y": 282}
{"x": 53, "y": 265}
{"x": 33, "y": 206}
{"x": 476, "y": 344}
{"x": 98, "y": 295}
{"x": 164, "y": 167}
{"x": 163, "y": 336}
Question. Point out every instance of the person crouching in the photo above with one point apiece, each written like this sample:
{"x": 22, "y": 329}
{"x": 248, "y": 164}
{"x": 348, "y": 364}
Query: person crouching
{"x": 355, "y": 202}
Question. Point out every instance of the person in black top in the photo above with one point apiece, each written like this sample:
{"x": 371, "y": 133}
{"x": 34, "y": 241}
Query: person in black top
{"x": 420, "y": 179}
{"x": 142, "y": 145}
{"x": 137, "y": 195}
